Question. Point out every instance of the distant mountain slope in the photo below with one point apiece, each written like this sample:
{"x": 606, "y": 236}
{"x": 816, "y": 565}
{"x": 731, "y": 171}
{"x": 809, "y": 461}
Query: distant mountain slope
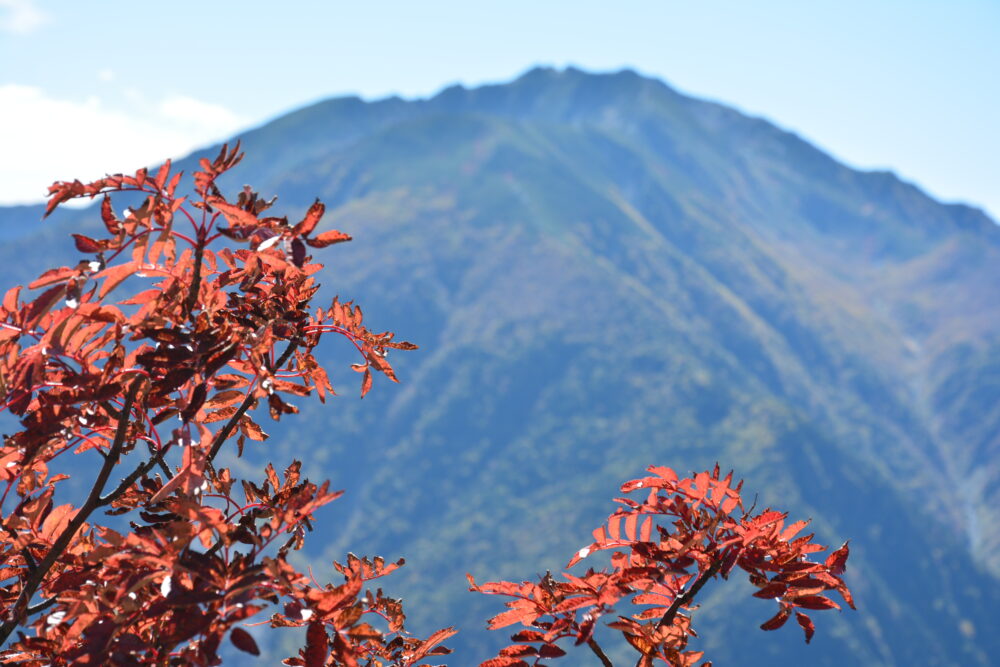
{"x": 602, "y": 274}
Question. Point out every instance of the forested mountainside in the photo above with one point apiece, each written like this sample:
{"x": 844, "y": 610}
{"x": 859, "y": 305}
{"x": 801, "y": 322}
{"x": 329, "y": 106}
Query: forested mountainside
{"x": 602, "y": 274}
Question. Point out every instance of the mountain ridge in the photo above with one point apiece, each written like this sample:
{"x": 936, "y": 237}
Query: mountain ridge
{"x": 606, "y": 274}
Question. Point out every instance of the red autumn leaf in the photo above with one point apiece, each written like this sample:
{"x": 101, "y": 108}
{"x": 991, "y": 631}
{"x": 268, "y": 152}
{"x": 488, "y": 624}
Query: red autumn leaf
{"x": 328, "y": 238}
{"x": 252, "y": 430}
{"x": 227, "y": 397}
{"x": 172, "y": 187}
{"x": 777, "y": 620}
{"x": 197, "y": 400}
{"x": 430, "y": 645}
{"x": 244, "y": 641}
{"x": 317, "y": 645}
{"x": 191, "y": 475}
{"x": 343, "y": 651}
{"x": 236, "y": 216}
{"x": 114, "y": 276}
{"x": 510, "y": 617}
{"x": 42, "y": 305}
{"x": 366, "y": 382}
{"x": 298, "y": 252}
{"x": 646, "y": 530}
{"x": 807, "y": 625}
{"x": 176, "y": 482}
{"x": 112, "y": 223}
{"x": 767, "y": 518}
{"x": 52, "y": 276}
{"x": 836, "y": 562}
{"x": 10, "y": 299}
{"x": 161, "y": 175}
{"x": 550, "y": 651}
{"x": 846, "y": 594}
{"x": 308, "y": 224}
{"x": 815, "y": 602}
{"x": 792, "y": 530}
{"x": 503, "y": 661}
{"x": 86, "y": 245}
{"x": 56, "y": 521}
{"x": 630, "y": 524}
{"x": 58, "y": 193}
{"x": 773, "y": 590}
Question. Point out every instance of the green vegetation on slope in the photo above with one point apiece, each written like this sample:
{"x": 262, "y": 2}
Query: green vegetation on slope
{"x": 601, "y": 274}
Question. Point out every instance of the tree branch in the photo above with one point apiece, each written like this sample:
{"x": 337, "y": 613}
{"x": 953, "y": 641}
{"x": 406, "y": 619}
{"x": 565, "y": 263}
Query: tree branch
{"x": 16, "y": 613}
{"x": 192, "y": 297}
{"x": 595, "y": 647}
{"x": 128, "y": 481}
{"x": 680, "y": 601}
{"x": 42, "y": 606}
{"x": 686, "y": 597}
{"x": 158, "y": 458}
{"x": 227, "y": 430}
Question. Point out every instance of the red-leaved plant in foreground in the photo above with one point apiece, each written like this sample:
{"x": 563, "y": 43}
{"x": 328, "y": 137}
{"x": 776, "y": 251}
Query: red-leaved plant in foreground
{"x": 149, "y": 385}
{"x": 665, "y": 548}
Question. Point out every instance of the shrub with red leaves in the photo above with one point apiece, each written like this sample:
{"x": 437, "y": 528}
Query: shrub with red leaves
{"x": 151, "y": 384}
{"x": 665, "y": 549}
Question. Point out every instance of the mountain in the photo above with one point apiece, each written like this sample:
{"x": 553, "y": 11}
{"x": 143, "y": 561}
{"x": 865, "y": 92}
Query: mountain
{"x": 603, "y": 274}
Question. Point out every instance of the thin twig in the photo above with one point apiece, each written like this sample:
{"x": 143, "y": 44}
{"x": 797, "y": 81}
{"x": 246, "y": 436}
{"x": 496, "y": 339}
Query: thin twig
{"x": 140, "y": 470}
{"x": 192, "y": 297}
{"x": 28, "y": 558}
{"x": 158, "y": 457}
{"x": 686, "y": 597}
{"x": 227, "y": 430}
{"x": 42, "y": 606}
{"x": 595, "y": 647}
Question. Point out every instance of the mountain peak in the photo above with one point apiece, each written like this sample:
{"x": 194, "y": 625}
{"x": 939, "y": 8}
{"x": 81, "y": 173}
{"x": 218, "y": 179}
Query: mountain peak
{"x": 609, "y": 274}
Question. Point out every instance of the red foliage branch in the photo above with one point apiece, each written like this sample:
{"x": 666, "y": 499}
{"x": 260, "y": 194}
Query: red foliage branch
{"x": 152, "y": 386}
{"x": 665, "y": 548}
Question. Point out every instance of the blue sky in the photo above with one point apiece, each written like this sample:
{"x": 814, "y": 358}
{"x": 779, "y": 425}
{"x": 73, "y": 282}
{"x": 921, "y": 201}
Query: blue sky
{"x": 92, "y": 87}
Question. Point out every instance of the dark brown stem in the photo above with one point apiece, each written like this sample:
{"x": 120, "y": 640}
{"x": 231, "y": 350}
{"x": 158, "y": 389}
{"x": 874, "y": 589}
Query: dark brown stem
{"x": 192, "y": 297}
{"x": 227, "y": 430}
{"x": 16, "y": 613}
{"x": 686, "y": 597}
{"x": 142, "y": 469}
{"x": 215, "y": 548}
{"x": 42, "y": 606}
{"x": 595, "y": 647}
{"x": 158, "y": 459}
{"x": 28, "y": 558}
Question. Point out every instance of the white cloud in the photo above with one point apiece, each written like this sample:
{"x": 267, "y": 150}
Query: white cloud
{"x": 46, "y": 139}
{"x": 21, "y": 16}
{"x": 189, "y": 112}
{"x": 106, "y": 74}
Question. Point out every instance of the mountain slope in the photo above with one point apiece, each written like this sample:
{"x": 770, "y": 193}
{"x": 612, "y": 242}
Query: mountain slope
{"x": 603, "y": 274}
